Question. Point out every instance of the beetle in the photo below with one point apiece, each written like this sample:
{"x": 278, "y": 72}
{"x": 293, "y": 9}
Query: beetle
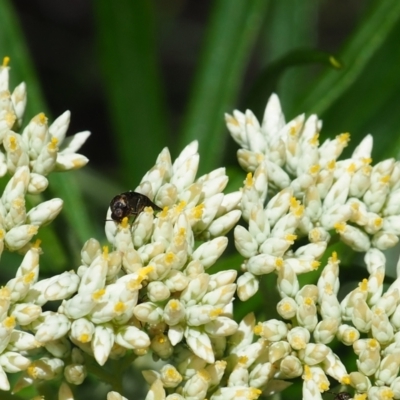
{"x": 129, "y": 204}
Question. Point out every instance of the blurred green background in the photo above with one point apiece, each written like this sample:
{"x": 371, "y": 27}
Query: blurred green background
{"x": 145, "y": 74}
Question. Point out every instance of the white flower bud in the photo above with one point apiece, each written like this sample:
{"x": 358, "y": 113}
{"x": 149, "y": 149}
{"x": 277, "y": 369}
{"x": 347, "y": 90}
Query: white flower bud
{"x": 298, "y": 338}
{"x": 44, "y": 212}
{"x": 37, "y": 183}
{"x": 157, "y": 291}
{"x": 272, "y": 330}
{"x": 18, "y": 237}
{"x": 51, "y": 326}
{"x": 247, "y": 286}
{"x": 169, "y": 376}
{"x": 82, "y": 330}
{"x": 199, "y": 343}
{"x": 66, "y": 162}
{"x": 46, "y": 368}
{"x": 286, "y": 308}
{"x": 25, "y": 313}
{"x": 131, "y": 337}
{"x": 13, "y": 362}
{"x": 174, "y": 312}
{"x": 75, "y": 373}
{"x": 62, "y": 286}
{"x": 161, "y": 346}
{"x": 102, "y": 342}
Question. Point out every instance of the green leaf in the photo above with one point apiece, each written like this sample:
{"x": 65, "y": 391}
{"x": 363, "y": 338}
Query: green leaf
{"x": 232, "y": 31}
{"x": 357, "y": 53}
{"x": 126, "y": 38}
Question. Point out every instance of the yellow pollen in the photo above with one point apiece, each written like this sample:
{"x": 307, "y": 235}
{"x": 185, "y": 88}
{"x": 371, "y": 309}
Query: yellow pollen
{"x": 314, "y": 140}
{"x": 351, "y": 168}
{"x": 120, "y": 307}
{"x": 84, "y": 338}
{"x": 37, "y": 243}
{"x": 343, "y": 139}
{"x": 352, "y": 335}
{"x": 249, "y": 180}
{"x": 290, "y": 237}
{"x": 385, "y": 179}
{"x": 32, "y": 372}
{"x": 10, "y": 118}
{"x": 258, "y": 330}
{"x": 53, "y": 144}
{"x": 170, "y": 258}
{"x": 294, "y": 202}
{"x": 181, "y": 206}
{"x": 98, "y": 294}
{"x": 307, "y": 375}
{"x": 6, "y": 61}
{"x": 32, "y": 230}
{"x": 387, "y": 394}
{"x": 362, "y": 396}
{"x": 124, "y": 223}
{"x": 323, "y": 386}
{"x": 171, "y": 373}
{"x": 345, "y": 380}
{"x": 41, "y": 118}
{"x": 9, "y": 322}
{"x": 366, "y": 160}
{"x": 105, "y": 252}
{"x": 143, "y": 272}
{"x": 315, "y": 264}
{"x": 378, "y": 222}
{"x": 13, "y": 143}
{"x": 197, "y": 211}
{"x": 314, "y": 169}
{"x": 308, "y": 301}
{"x": 28, "y": 278}
{"x": 215, "y": 313}
{"x": 243, "y": 360}
{"x": 161, "y": 339}
{"x": 340, "y": 227}
{"x": 293, "y": 131}
{"x": 373, "y": 343}
{"x": 363, "y": 285}
{"x": 331, "y": 165}
{"x": 333, "y": 258}
{"x": 174, "y": 304}
{"x": 279, "y": 262}
{"x": 164, "y": 212}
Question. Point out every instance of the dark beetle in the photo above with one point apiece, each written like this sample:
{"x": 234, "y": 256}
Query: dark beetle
{"x": 129, "y": 204}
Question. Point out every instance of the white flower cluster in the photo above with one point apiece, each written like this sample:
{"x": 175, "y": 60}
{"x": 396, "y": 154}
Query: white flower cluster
{"x": 296, "y": 189}
{"x": 28, "y": 157}
{"x": 154, "y": 292}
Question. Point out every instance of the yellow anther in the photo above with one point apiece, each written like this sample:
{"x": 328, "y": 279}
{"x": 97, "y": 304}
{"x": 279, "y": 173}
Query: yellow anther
{"x": 315, "y": 264}
{"x": 308, "y": 301}
{"x": 314, "y": 140}
{"x": 366, "y": 160}
{"x": 378, "y": 222}
{"x": 343, "y": 139}
{"x": 333, "y": 258}
{"x": 32, "y": 230}
{"x": 170, "y": 258}
{"x": 197, "y": 211}
{"x": 120, "y": 307}
{"x": 257, "y": 330}
{"x": 105, "y": 252}
{"x": 363, "y": 285}
{"x": 97, "y": 295}
{"x": 385, "y": 179}
{"x": 307, "y": 375}
{"x": 124, "y": 223}
{"x": 279, "y": 262}
{"x": 28, "y": 278}
{"x": 249, "y": 180}
{"x": 53, "y": 144}
{"x": 340, "y": 227}
{"x": 9, "y": 322}
{"x": 243, "y": 360}
{"x": 174, "y": 304}
{"x": 351, "y": 168}
{"x": 84, "y": 338}
{"x": 13, "y": 143}
{"x": 314, "y": 169}
{"x": 6, "y": 61}
{"x": 164, "y": 212}
{"x": 331, "y": 165}
{"x": 290, "y": 237}
{"x": 215, "y": 312}
{"x": 41, "y": 118}
{"x": 36, "y": 244}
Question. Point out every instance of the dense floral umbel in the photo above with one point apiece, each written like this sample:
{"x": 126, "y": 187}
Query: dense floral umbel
{"x": 154, "y": 292}
{"x": 296, "y": 189}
